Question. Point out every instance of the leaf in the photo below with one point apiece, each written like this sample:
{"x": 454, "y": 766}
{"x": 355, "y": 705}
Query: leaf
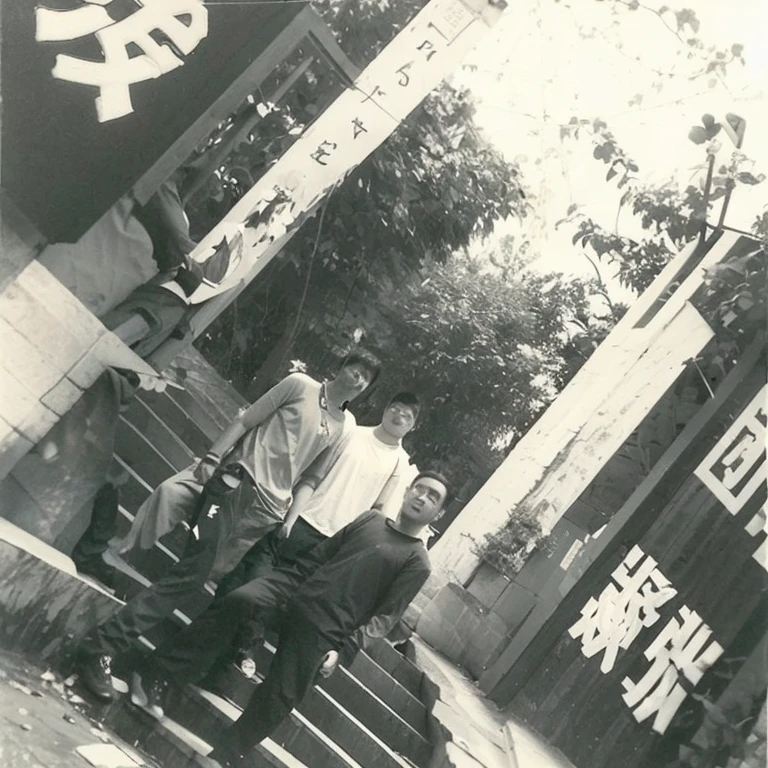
{"x": 698, "y": 135}
{"x": 717, "y": 194}
{"x": 747, "y": 178}
{"x": 737, "y": 49}
{"x": 571, "y": 208}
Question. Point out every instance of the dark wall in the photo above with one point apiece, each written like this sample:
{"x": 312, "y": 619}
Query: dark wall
{"x": 62, "y": 167}
{"x": 707, "y": 555}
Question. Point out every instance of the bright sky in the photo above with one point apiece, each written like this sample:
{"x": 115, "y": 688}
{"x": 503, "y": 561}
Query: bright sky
{"x": 537, "y": 71}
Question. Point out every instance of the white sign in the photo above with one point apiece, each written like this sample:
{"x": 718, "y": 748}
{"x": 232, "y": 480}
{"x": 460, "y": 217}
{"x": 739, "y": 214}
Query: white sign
{"x": 736, "y": 467}
{"x": 118, "y": 71}
{"x": 356, "y": 123}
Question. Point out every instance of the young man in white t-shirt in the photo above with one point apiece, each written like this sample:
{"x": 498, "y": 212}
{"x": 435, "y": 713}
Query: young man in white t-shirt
{"x": 364, "y": 473}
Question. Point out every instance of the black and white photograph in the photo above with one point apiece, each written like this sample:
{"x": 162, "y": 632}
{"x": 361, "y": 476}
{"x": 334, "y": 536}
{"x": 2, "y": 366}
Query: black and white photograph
{"x": 383, "y": 384}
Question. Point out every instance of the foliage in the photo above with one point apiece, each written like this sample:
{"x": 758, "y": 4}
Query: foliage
{"x": 670, "y": 216}
{"x": 483, "y": 342}
{"x": 725, "y": 736}
{"x": 364, "y": 27}
{"x": 694, "y": 60}
{"x": 508, "y": 549}
{"x": 429, "y": 190}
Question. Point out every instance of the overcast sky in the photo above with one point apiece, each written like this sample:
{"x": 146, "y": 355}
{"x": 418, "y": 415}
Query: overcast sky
{"x": 546, "y": 62}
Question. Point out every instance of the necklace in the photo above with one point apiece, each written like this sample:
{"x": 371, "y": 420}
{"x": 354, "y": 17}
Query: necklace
{"x": 322, "y": 400}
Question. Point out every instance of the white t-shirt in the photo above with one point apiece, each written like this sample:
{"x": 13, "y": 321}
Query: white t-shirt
{"x": 356, "y": 480}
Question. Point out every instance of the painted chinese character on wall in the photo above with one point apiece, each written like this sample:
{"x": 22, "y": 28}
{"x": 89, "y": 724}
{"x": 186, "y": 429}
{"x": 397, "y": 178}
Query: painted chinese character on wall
{"x": 613, "y": 621}
{"x": 736, "y": 468}
{"x": 163, "y": 30}
{"x": 683, "y": 650}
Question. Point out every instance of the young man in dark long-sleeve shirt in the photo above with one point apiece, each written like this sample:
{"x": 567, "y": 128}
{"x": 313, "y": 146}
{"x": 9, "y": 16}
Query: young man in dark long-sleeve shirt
{"x": 372, "y": 568}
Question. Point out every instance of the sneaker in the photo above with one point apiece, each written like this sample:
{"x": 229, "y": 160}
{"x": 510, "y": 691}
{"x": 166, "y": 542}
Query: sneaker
{"x": 95, "y": 672}
{"x": 148, "y": 693}
{"x": 96, "y": 568}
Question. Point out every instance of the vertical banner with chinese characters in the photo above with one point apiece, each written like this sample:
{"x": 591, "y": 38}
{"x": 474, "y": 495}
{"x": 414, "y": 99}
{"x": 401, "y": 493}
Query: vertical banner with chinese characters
{"x": 414, "y": 63}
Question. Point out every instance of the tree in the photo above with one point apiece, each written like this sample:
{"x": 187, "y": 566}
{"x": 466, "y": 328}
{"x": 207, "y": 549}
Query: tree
{"x": 429, "y": 190}
{"x": 481, "y": 340}
{"x": 670, "y": 216}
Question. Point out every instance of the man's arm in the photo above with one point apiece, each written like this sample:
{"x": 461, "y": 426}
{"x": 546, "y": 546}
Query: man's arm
{"x": 314, "y": 475}
{"x": 301, "y": 497}
{"x": 390, "y": 610}
{"x": 389, "y": 489}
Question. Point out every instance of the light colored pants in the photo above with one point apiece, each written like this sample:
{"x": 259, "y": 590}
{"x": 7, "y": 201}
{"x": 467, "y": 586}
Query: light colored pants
{"x": 245, "y": 520}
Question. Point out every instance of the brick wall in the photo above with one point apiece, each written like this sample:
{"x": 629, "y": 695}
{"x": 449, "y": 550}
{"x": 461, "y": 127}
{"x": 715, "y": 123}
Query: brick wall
{"x": 53, "y": 348}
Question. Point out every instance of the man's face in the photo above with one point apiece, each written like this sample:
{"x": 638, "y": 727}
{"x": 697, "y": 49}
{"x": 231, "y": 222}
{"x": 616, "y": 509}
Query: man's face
{"x": 398, "y": 419}
{"x": 353, "y": 379}
{"x": 423, "y": 501}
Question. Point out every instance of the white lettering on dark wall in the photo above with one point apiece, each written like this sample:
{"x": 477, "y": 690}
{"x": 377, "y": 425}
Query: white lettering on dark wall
{"x": 183, "y": 22}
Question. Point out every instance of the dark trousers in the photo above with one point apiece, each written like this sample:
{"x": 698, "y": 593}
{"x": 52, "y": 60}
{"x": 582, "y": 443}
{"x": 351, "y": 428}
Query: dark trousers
{"x": 157, "y": 602}
{"x": 103, "y": 526}
{"x": 190, "y": 655}
{"x": 270, "y": 552}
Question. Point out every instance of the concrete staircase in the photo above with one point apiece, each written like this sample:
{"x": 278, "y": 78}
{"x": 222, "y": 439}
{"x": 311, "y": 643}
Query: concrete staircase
{"x": 369, "y": 714}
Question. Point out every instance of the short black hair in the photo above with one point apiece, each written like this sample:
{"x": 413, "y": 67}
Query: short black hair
{"x": 364, "y": 358}
{"x": 440, "y": 479}
{"x": 408, "y": 399}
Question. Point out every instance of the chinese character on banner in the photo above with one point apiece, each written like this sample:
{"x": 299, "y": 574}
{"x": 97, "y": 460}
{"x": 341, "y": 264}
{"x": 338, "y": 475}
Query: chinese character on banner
{"x": 323, "y": 150}
{"x": 428, "y": 49}
{"x": 614, "y": 620}
{"x": 405, "y": 78}
{"x": 376, "y": 92}
{"x": 677, "y": 653}
{"x": 358, "y": 127}
{"x": 119, "y": 69}
{"x": 736, "y": 467}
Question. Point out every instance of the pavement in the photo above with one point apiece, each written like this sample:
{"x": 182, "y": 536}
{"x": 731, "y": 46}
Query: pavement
{"x": 486, "y": 735}
{"x": 45, "y": 723}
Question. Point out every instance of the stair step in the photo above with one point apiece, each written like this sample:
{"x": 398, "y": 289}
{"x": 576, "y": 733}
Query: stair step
{"x": 134, "y": 492}
{"x": 174, "y": 746}
{"x": 148, "y": 465}
{"x": 177, "y": 420}
{"x": 211, "y": 423}
{"x": 207, "y": 714}
{"x": 403, "y": 670}
{"x": 381, "y": 684}
{"x": 377, "y": 683}
{"x": 206, "y": 385}
{"x": 345, "y": 694}
{"x": 159, "y": 434}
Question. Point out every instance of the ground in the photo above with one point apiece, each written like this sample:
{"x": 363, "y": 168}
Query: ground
{"x": 43, "y": 722}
